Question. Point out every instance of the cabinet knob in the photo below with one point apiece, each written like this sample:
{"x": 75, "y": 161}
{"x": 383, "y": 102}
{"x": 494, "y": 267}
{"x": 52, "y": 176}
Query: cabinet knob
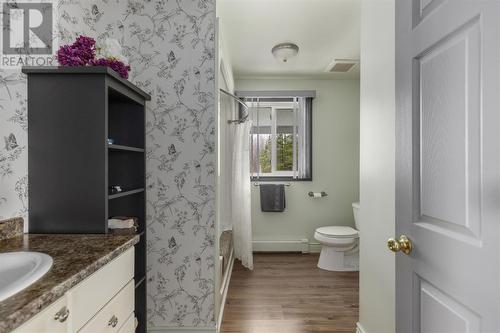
{"x": 62, "y": 314}
{"x": 113, "y": 321}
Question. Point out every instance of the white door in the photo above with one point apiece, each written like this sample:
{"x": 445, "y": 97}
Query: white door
{"x": 448, "y": 165}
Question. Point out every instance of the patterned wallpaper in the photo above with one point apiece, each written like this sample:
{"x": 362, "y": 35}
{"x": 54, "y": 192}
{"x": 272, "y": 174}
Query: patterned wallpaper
{"x": 170, "y": 45}
{"x": 13, "y": 145}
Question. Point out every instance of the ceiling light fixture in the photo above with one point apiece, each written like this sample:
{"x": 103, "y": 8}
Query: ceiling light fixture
{"x": 285, "y": 51}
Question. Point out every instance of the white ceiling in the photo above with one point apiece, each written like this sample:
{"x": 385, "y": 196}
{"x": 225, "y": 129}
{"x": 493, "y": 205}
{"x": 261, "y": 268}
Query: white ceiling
{"x": 323, "y": 30}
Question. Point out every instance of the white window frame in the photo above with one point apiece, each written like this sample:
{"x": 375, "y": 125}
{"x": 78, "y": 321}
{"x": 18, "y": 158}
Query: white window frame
{"x": 274, "y": 106}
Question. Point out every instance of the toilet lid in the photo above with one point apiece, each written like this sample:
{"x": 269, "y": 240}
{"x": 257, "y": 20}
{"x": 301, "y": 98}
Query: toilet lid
{"x": 337, "y": 231}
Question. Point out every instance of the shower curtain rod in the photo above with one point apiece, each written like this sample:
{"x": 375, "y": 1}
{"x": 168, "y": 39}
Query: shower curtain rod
{"x": 242, "y": 120}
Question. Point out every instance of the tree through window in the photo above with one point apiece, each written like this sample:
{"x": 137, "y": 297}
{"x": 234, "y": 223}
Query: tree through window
{"x": 280, "y": 138}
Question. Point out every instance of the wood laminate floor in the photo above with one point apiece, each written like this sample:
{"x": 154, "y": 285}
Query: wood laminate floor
{"x": 287, "y": 293}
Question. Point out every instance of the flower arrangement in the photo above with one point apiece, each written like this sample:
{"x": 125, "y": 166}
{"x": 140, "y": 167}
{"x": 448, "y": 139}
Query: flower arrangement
{"x": 84, "y": 52}
{"x": 117, "y": 65}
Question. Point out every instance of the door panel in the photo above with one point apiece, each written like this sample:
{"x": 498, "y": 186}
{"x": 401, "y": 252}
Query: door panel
{"x": 441, "y": 313}
{"x": 448, "y": 107}
{"x": 422, "y": 8}
{"x": 447, "y": 165}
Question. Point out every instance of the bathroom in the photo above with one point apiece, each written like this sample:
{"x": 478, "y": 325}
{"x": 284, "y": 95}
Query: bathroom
{"x": 249, "y": 166}
{"x": 266, "y": 68}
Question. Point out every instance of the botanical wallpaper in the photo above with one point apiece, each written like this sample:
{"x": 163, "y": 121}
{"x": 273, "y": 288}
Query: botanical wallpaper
{"x": 13, "y": 145}
{"x": 170, "y": 45}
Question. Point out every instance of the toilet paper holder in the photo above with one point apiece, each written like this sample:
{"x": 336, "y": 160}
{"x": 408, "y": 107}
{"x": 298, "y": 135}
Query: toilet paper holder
{"x": 322, "y": 194}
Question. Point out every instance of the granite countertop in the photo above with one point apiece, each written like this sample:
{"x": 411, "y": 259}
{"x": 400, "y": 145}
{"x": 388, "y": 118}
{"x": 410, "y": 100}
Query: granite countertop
{"x": 75, "y": 258}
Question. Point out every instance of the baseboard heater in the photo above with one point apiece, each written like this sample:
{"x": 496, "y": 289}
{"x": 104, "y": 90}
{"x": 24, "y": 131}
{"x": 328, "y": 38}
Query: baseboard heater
{"x": 299, "y": 245}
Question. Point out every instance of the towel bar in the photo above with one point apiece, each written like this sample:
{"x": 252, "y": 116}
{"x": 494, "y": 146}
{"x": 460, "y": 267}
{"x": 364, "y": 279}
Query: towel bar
{"x": 258, "y": 184}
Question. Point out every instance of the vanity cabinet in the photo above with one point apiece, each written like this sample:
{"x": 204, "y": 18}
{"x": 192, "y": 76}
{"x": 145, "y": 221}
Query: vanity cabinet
{"x": 100, "y": 288}
{"x": 103, "y": 302}
{"x": 53, "y": 319}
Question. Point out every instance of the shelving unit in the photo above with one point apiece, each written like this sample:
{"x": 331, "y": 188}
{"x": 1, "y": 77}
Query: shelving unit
{"x": 71, "y": 165}
{"x": 125, "y": 193}
{"x": 125, "y": 148}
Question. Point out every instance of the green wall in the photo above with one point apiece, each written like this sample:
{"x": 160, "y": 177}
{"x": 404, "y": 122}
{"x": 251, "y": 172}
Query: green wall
{"x": 335, "y": 162}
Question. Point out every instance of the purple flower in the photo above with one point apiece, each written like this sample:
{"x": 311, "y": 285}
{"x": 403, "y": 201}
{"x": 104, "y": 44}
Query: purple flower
{"x": 80, "y": 53}
{"x": 114, "y": 64}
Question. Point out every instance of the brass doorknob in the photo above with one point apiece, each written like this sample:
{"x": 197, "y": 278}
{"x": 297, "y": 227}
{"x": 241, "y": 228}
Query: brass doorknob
{"x": 403, "y": 244}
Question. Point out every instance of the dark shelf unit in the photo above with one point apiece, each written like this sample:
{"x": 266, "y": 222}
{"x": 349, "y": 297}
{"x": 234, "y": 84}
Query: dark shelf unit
{"x": 125, "y": 193}
{"x": 125, "y": 148}
{"x": 72, "y": 113}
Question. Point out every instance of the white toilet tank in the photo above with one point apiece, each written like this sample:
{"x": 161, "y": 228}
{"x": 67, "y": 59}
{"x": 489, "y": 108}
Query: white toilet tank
{"x": 355, "y": 210}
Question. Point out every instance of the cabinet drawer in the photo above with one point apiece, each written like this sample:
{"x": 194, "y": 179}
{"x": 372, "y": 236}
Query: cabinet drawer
{"x": 113, "y": 316}
{"x": 129, "y": 326}
{"x": 54, "y": 319}
{"x": 90, "y": 296}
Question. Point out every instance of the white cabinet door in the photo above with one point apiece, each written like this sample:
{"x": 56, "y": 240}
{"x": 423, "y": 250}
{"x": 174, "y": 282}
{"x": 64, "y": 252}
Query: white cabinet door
{"x": 448, "y": 165}
{"x": 114, "y": 315}
{"x": 54, "y": 319}
{"x": 129, "y": 326}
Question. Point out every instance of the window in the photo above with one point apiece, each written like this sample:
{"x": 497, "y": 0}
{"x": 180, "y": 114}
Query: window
{"x": 280, "y": 138}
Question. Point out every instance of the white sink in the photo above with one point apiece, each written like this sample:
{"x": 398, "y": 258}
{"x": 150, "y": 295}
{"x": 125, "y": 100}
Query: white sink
{"x": 18, "y": 270}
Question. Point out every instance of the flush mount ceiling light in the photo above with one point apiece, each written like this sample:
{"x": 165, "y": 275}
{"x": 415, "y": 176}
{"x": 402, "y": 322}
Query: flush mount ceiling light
{"x": 285, "y": 51}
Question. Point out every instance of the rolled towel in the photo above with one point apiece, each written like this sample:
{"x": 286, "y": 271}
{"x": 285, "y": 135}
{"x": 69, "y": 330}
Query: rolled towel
{"x": 125, "y": 218}
{"x": 114, "y": 223}
{"x": 123, "y": 231}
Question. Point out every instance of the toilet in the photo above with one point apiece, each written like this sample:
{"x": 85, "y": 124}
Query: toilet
{"x": 340, "y": 246}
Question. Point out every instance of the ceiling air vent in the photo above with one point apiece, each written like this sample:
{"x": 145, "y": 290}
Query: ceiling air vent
{"x": 342, "y": 65}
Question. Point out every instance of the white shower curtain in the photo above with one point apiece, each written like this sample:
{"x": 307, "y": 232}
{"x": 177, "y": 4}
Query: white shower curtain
{"x": 241, "y": 195}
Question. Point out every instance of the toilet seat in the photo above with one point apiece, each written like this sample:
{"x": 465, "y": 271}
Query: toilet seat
{"x": 338, "y": 232}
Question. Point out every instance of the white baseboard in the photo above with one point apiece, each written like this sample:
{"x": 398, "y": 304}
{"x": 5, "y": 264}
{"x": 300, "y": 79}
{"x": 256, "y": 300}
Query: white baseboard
{"x": 314, "y": 247}
{"x": 165, "y": 329}
{"x": 359, "y": 328}
{"x": 299, "y": 245}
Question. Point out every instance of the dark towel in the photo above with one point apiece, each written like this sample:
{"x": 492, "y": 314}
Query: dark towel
{"x": 272, "y": 197}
